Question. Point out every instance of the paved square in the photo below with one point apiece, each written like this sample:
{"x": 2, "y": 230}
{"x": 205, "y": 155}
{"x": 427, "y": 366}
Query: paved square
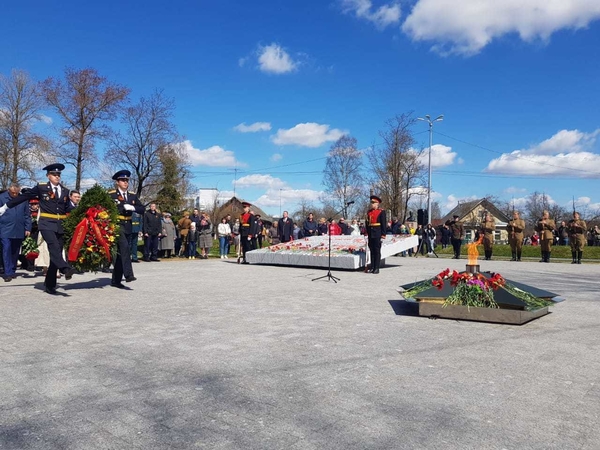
{"x": 211, "y": 354}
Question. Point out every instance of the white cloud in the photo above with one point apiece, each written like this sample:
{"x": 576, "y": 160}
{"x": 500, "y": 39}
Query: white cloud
{"x": 252, "y": 128}
{"x": 47, "y": 120}
{"x": 276, "y": 157}
{"x": 274, "y": 59}
{"x": 242, "y": 61}
{"x": 307, "y": 134}
{"x": 441, "y": 156}
{"x": 584, "y": 204}
{"x": 382, "y": 17}
{"x": 452, "y": 201}
{"x": 214, "y": 156}
{"x": 567, "y": 153}
{"x": 514, "y": 190}
{"x": 276, "y": 197}
{"x": 468, "y": 26}
{"x": 260, "y": 181}
{"x": 87, "y": 183}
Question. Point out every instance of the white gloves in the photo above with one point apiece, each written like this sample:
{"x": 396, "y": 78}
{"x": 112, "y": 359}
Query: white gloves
{"x": 128, "y": 207}
{"x": 3, "y": 209}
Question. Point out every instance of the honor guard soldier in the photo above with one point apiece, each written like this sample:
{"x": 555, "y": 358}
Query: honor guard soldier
{"x": 487, "y": 228}
{"x": 545, "y": 228}
{"x": 247, "y": 230}
{"x": 457, "y": 232}
{"x": 515, "y": 229}
{"x": 127, "y": 203}
{"x": 54, "y": 206}
{"x": 376, "y": 230}
{"x": 577, "y": 237}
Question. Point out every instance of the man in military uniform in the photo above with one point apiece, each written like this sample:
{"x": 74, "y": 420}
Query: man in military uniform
{"x": 376, "y": 231}
{"x": 577, "y": 233}
{"x": 457, "y": 232}
{"x": 545, "y": 227}
{"x": 127, "y": 203}
{"x": 515, "y": 229}
{"x": 487, "y": 228}
{"x": 54, "y": 206}
{"x": 247, "y": 230}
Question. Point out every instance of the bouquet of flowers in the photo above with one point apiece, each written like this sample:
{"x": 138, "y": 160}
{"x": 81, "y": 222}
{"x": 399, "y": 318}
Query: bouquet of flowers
{"x": 30, "y": 249}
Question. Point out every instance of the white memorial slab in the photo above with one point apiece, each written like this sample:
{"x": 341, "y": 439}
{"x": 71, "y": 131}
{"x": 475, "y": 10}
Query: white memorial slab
{"x": 347, "y": 252}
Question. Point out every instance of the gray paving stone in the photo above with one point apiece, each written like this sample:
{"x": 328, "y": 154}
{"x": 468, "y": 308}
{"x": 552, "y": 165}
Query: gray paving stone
{"x": 215, "y": 355}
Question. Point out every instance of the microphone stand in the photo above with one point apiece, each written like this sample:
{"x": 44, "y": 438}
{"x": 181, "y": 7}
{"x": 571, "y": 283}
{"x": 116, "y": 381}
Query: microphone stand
{"x": 329, "y": 276}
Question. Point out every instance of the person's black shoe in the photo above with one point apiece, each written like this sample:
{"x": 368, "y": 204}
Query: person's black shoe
{"x": 155, "y": 260}
{"x": 135, "y": 260}
{"x": 8, "y": 278}
{"x": 50, "y": 290}
{"x": 69, "y": 273}
{"x": 130, "y": 279}
{"x": 118, "y": 285}
{"x": 376, "y": 271}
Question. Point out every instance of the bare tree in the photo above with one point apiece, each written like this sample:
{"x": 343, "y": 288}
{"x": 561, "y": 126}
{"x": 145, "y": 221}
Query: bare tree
{"x": 536, "y": 203}
{"x": 147, "y": 132}
{"x": 396, "y": 165}
{"x": 85, "y": 101}
{"x": 342, "y": 174}
{"x": 22, "y": 151}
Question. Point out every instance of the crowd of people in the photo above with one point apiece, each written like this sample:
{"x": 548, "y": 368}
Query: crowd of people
{"x": 36, "y": 215}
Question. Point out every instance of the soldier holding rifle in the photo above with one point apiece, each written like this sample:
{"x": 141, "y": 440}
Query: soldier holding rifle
{"x": 577, "y": 233}
{"x": 487, "y": 228}
{"x": 515, "y": 229}
{"x": 545, "y": 228}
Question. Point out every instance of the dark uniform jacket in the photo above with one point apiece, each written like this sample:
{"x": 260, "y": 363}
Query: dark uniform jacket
{"x": 376, "y": 223}
{"x": 248, "y": 225}
{"x": 308, "y": 226}
{"x": 457, "y": 230}
{"x": 121, "y": 201}
{"x": 52, "y": 209}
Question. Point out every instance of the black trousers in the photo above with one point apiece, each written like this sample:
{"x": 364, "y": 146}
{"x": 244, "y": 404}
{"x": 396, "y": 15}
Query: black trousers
{"x": 151, "y": 247}
{"x": 122, "y": 264}
{"x": 375, "y": 250}
{"x": 456, "y": 243}
{"x": 246, "y": 245}
{"x": 55, "y": 242}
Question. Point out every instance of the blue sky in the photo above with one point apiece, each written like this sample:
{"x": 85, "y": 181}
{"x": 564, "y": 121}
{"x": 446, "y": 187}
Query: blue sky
{"x": 263, "y": 88}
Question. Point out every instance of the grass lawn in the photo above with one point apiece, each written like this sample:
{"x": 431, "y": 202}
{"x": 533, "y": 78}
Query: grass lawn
{"x": 530, "y": 252}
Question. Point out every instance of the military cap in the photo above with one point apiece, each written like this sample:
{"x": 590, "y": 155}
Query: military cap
{"x": 246, "y": 204}
{"x": 256, "y": 215}
{"x": 375, "y": 198}
{"x": 121, "y": 174}
{"x": 455, "y": 216}
{"x": 57, "y": 167}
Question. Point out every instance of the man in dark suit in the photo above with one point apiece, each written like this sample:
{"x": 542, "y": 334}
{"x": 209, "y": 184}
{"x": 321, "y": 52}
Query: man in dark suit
{"x": 376, "y": 231}
{"x": 54, "y": 206}
{"x": 285, "y": 228}
{"x": 127, "y": 203}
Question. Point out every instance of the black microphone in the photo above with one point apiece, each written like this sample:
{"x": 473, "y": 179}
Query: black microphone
{"x": 350, "y": 203}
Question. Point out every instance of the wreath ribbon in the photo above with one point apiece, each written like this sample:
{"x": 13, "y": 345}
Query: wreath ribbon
{"x": 87, "y": 224}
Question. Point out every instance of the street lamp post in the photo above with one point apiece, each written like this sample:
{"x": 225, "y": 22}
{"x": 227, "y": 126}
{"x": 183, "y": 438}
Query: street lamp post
{"x": 430, "y": 122}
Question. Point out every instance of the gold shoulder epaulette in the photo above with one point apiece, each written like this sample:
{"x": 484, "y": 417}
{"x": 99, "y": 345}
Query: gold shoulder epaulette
{"x": 112, "y": 191}
{"x": 43, "y": 182}
{"x": 132, "y": 193}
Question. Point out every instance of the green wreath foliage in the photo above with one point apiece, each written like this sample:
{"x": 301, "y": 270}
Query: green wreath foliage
{"x": 93, "y": 197}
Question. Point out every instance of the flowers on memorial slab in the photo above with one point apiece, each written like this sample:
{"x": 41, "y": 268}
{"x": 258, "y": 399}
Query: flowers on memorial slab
{"x": 474, "y": 289}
